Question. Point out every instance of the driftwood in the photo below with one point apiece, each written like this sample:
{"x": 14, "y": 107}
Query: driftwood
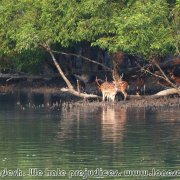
{"x": 78, "y": 94}
{"x": 162, "y": 93}
{"x": 167, "y": 92}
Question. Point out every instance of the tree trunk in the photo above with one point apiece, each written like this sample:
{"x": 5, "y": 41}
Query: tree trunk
{"x": 70, "y": 86}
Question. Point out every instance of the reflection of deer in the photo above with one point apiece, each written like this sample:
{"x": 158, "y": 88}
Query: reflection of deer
{"x": 110, "y": 89}
{"x": 113, "y": 121}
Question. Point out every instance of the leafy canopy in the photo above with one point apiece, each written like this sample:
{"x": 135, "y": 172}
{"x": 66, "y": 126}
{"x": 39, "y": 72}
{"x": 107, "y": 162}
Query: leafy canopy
{"x": 142, "y": 27}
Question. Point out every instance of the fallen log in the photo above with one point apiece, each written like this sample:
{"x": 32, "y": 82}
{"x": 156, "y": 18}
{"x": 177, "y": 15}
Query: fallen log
{"x": 168, "y": 92}
{"x": 78, "y": 94}
{"x": 162, "y": 93}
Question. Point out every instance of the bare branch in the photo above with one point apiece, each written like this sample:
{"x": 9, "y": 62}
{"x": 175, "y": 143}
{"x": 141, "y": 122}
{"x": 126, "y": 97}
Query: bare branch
{"x": 145, "y": 69}
{"x": 48, "y": 49}
{"x": 85, "y": 58}
{"x": 165, "y": 77}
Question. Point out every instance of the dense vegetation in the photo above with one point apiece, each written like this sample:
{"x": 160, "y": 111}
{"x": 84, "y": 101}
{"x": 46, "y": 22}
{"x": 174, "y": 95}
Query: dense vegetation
{"x": 146, "y": 28}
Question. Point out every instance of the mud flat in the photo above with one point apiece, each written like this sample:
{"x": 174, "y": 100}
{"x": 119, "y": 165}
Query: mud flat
{"x": 66, "y": 100}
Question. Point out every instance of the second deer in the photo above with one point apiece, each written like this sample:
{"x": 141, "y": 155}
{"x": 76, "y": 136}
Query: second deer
{"x": 110, "y": 89}
{"x": 120, "y": 85}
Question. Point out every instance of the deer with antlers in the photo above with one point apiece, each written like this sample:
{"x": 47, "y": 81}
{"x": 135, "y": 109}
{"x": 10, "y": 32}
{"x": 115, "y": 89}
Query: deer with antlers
{"x": 110, "y": 89}
{"x": 120, "y": 85}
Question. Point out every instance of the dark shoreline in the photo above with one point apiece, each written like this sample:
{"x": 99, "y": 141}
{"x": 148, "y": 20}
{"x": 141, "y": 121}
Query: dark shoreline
{"x": 163, "y": 102}
{"x": 64, "y": 100}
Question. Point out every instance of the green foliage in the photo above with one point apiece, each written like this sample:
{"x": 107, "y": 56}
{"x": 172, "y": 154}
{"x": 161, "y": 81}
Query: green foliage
{"x": 29, "y": 61}
{"x": 31, "y": 23}
{"x": 175, "y": 26}
{"x": 141, "y": 27}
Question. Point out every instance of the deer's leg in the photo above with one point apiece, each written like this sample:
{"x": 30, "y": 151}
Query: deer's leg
{"x": 125, "y": 95}
{"x": 108, "y": 97}
{"x": 103, "y": 94}
{"x": 113, "y": 97}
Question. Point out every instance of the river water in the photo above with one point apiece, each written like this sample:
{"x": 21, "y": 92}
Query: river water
{"x": 41, "y": 142}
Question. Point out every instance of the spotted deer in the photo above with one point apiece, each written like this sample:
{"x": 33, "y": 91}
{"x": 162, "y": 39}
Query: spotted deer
{"x": 120, "y": 85}
{"x": 110, "y": 89}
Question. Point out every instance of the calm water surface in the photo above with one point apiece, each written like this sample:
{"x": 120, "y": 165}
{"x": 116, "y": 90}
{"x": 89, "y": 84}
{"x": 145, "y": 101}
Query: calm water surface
{"x": 85, "y": 138}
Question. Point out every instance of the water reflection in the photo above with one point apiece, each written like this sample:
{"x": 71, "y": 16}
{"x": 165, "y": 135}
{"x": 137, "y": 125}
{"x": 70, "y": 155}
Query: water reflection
{"x": 107, "y": 137}
{"x": 106, "y": 122}
{"x": 113, "y": 122}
